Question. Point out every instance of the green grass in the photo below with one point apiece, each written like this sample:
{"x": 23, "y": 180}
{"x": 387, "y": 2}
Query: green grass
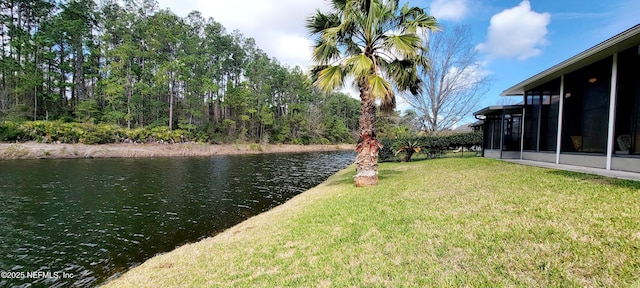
{"x": 442, "y": 222}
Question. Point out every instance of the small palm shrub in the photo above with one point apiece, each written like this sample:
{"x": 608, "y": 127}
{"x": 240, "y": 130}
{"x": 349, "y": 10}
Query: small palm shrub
{"x": 407, "y": 147}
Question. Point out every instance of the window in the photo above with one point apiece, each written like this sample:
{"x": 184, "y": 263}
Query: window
{"x": 492, "y": 132}
{"x": 586, "y": 108}
{"x": 627, "y": 129}
{"x": 541, "y": 121}
{"x": 549, "y": 121}
{"x": 512, "y": 131}
{"x": 531, "y": 121}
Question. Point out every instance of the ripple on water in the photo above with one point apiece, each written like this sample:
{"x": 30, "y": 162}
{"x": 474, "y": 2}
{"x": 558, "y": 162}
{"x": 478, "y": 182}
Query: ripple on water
{"x": 96, "y": 218}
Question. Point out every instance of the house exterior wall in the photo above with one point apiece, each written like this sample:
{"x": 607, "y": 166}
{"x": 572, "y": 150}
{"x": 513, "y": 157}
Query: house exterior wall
{"x": 585, "y": 160}
{"x": 510, "y": 154}
{"x": 539, "y": 156}
{"x": 495, "y": 154}
{"x": 491, "y": 153}
{"x": 625, "y": 164}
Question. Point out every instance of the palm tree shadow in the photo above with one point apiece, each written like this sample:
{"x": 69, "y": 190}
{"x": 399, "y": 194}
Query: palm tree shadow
{"x": 347, "y": 179}
{"x": 387, "y": 174}
{"x": 342, "y": 181}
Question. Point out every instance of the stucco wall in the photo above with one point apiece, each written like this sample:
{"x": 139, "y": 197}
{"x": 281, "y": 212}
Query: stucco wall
{"x": 510, "y": 154}
{"x": 594, "y": 161}
{"x": 630, "y": 164}
{"x": 495, "y": 154}
{"x": 540, "y": 156}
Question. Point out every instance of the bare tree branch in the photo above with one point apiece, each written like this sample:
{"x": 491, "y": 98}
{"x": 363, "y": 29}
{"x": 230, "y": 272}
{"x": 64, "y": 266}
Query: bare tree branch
{"x": 455, "y": 82}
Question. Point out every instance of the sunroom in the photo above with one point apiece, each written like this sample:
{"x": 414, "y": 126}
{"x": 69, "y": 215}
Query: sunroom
{"x": 584, "y": 111}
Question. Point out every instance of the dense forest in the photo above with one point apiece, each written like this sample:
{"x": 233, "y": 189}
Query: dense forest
{"x": 130, "y": 64}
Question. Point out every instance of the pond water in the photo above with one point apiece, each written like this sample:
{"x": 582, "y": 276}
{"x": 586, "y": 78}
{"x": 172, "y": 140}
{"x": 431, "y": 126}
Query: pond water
{"x": 79, "y": 222}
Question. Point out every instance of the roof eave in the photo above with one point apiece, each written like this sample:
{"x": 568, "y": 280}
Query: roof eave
{"x": 490, "y": 109}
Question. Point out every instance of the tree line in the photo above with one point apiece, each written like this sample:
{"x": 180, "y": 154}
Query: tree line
{"x": 130, "y": 64}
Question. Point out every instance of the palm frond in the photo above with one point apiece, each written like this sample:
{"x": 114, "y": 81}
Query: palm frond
{"x": 381, "y": 89}
{"x": 421, "y": 21}
{"x": 338, "y": 5}
{"x": 317, "y": 23}
{"x": 325, "y": 52}
{"x": 402, "y": 72}
{"x": 315, "y": 72}
{"x": 351, "y": 47}
{"x": 406, "y": 45}
{"x": 331, "y": 34}
{"x": 406, "y": 146}
{"x": 388, "y": 106}
{"x": 330, "y": 78}
{"x": 359, "y": 65}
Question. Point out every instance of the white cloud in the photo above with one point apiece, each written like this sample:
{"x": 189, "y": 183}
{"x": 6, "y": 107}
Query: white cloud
{"x": 449, "y": 9}
{"x": 517, "y": 32}
{"x": 296, "y": 49}
{"x": 278, "y": 26}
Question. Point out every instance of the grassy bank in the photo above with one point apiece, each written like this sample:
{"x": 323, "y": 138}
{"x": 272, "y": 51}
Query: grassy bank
{"x": 443, "y": 222}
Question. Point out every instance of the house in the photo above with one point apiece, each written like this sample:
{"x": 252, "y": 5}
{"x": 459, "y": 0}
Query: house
{"x": 477, "y": 126}
{"x": 463, "y": 129}
{"x": 584, "y": 111}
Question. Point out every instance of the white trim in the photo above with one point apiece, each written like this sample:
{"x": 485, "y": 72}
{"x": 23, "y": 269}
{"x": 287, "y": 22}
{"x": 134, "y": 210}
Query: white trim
{"x": 501, "y": 133}
{"x": 537, "y": 149}
{"x": 560, "y": 118}
{"x": 524, "y": 114}
{"x": 612, "y": 110}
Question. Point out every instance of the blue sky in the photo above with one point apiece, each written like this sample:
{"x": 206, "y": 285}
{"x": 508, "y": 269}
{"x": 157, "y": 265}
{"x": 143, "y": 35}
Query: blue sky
{"x": 516, "y": 39}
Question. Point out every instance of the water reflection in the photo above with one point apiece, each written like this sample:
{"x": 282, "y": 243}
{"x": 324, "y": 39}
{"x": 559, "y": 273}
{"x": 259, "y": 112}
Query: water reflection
{"x": 94, "y": 218}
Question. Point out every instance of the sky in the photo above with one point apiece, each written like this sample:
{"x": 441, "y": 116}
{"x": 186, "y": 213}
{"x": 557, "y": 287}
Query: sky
{"x": 515, "y": 39}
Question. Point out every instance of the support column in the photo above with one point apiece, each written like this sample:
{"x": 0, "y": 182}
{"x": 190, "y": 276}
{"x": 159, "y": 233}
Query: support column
{"x": 560, "y": 119}
{"x": 612, "y": 110}
{"x": 539, "y": 124}
{"x": 524, "y": 114}
{"x": 501, "y": 133}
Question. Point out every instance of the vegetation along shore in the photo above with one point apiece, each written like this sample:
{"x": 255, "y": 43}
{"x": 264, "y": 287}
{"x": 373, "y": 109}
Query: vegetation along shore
{"x": 33, "y": 150}
{"x": 502, "y": 224}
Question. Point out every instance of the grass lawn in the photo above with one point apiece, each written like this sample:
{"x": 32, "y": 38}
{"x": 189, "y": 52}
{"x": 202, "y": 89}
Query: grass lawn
{"x": 441, "y": 222}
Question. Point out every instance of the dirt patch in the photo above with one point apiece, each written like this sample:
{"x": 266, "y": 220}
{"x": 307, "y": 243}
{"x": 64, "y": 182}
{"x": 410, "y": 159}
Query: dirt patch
{"x": 33, "y": 150}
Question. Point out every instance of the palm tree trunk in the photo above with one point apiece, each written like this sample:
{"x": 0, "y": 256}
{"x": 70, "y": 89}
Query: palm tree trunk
{"x": 368, "y": 145}
{"x": 407, "y": 156}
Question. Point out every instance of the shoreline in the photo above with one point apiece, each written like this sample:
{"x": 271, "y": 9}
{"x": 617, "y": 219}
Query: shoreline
{"x": 338, "y": 235}
{"x": 250, "y": 227}
{"x": 34, "y": 150}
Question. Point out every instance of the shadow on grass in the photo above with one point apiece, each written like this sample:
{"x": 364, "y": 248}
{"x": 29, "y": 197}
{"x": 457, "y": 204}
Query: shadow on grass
{"x": 387, "y": 173}
{"x": 347, "y": 179}
{"x": 603, "y": 180}
{"x": 342, "y": 181}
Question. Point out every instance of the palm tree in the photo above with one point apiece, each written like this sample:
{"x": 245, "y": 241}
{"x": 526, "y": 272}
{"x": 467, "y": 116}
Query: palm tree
{"x": 408, "y": 148}
{"x": 376, "y": 43}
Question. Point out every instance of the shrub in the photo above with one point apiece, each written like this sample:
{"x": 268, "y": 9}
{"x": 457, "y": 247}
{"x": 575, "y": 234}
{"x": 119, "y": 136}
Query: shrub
{"x": 255, "y": 147}
{"x": 101, "y": 134}
{"x": 137, "y": 135}
{"x": 407, "y": 147}
{"x": 10, "y": 132}
{"x": 41, "y": 131}
{"x": 431, "y": 145}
